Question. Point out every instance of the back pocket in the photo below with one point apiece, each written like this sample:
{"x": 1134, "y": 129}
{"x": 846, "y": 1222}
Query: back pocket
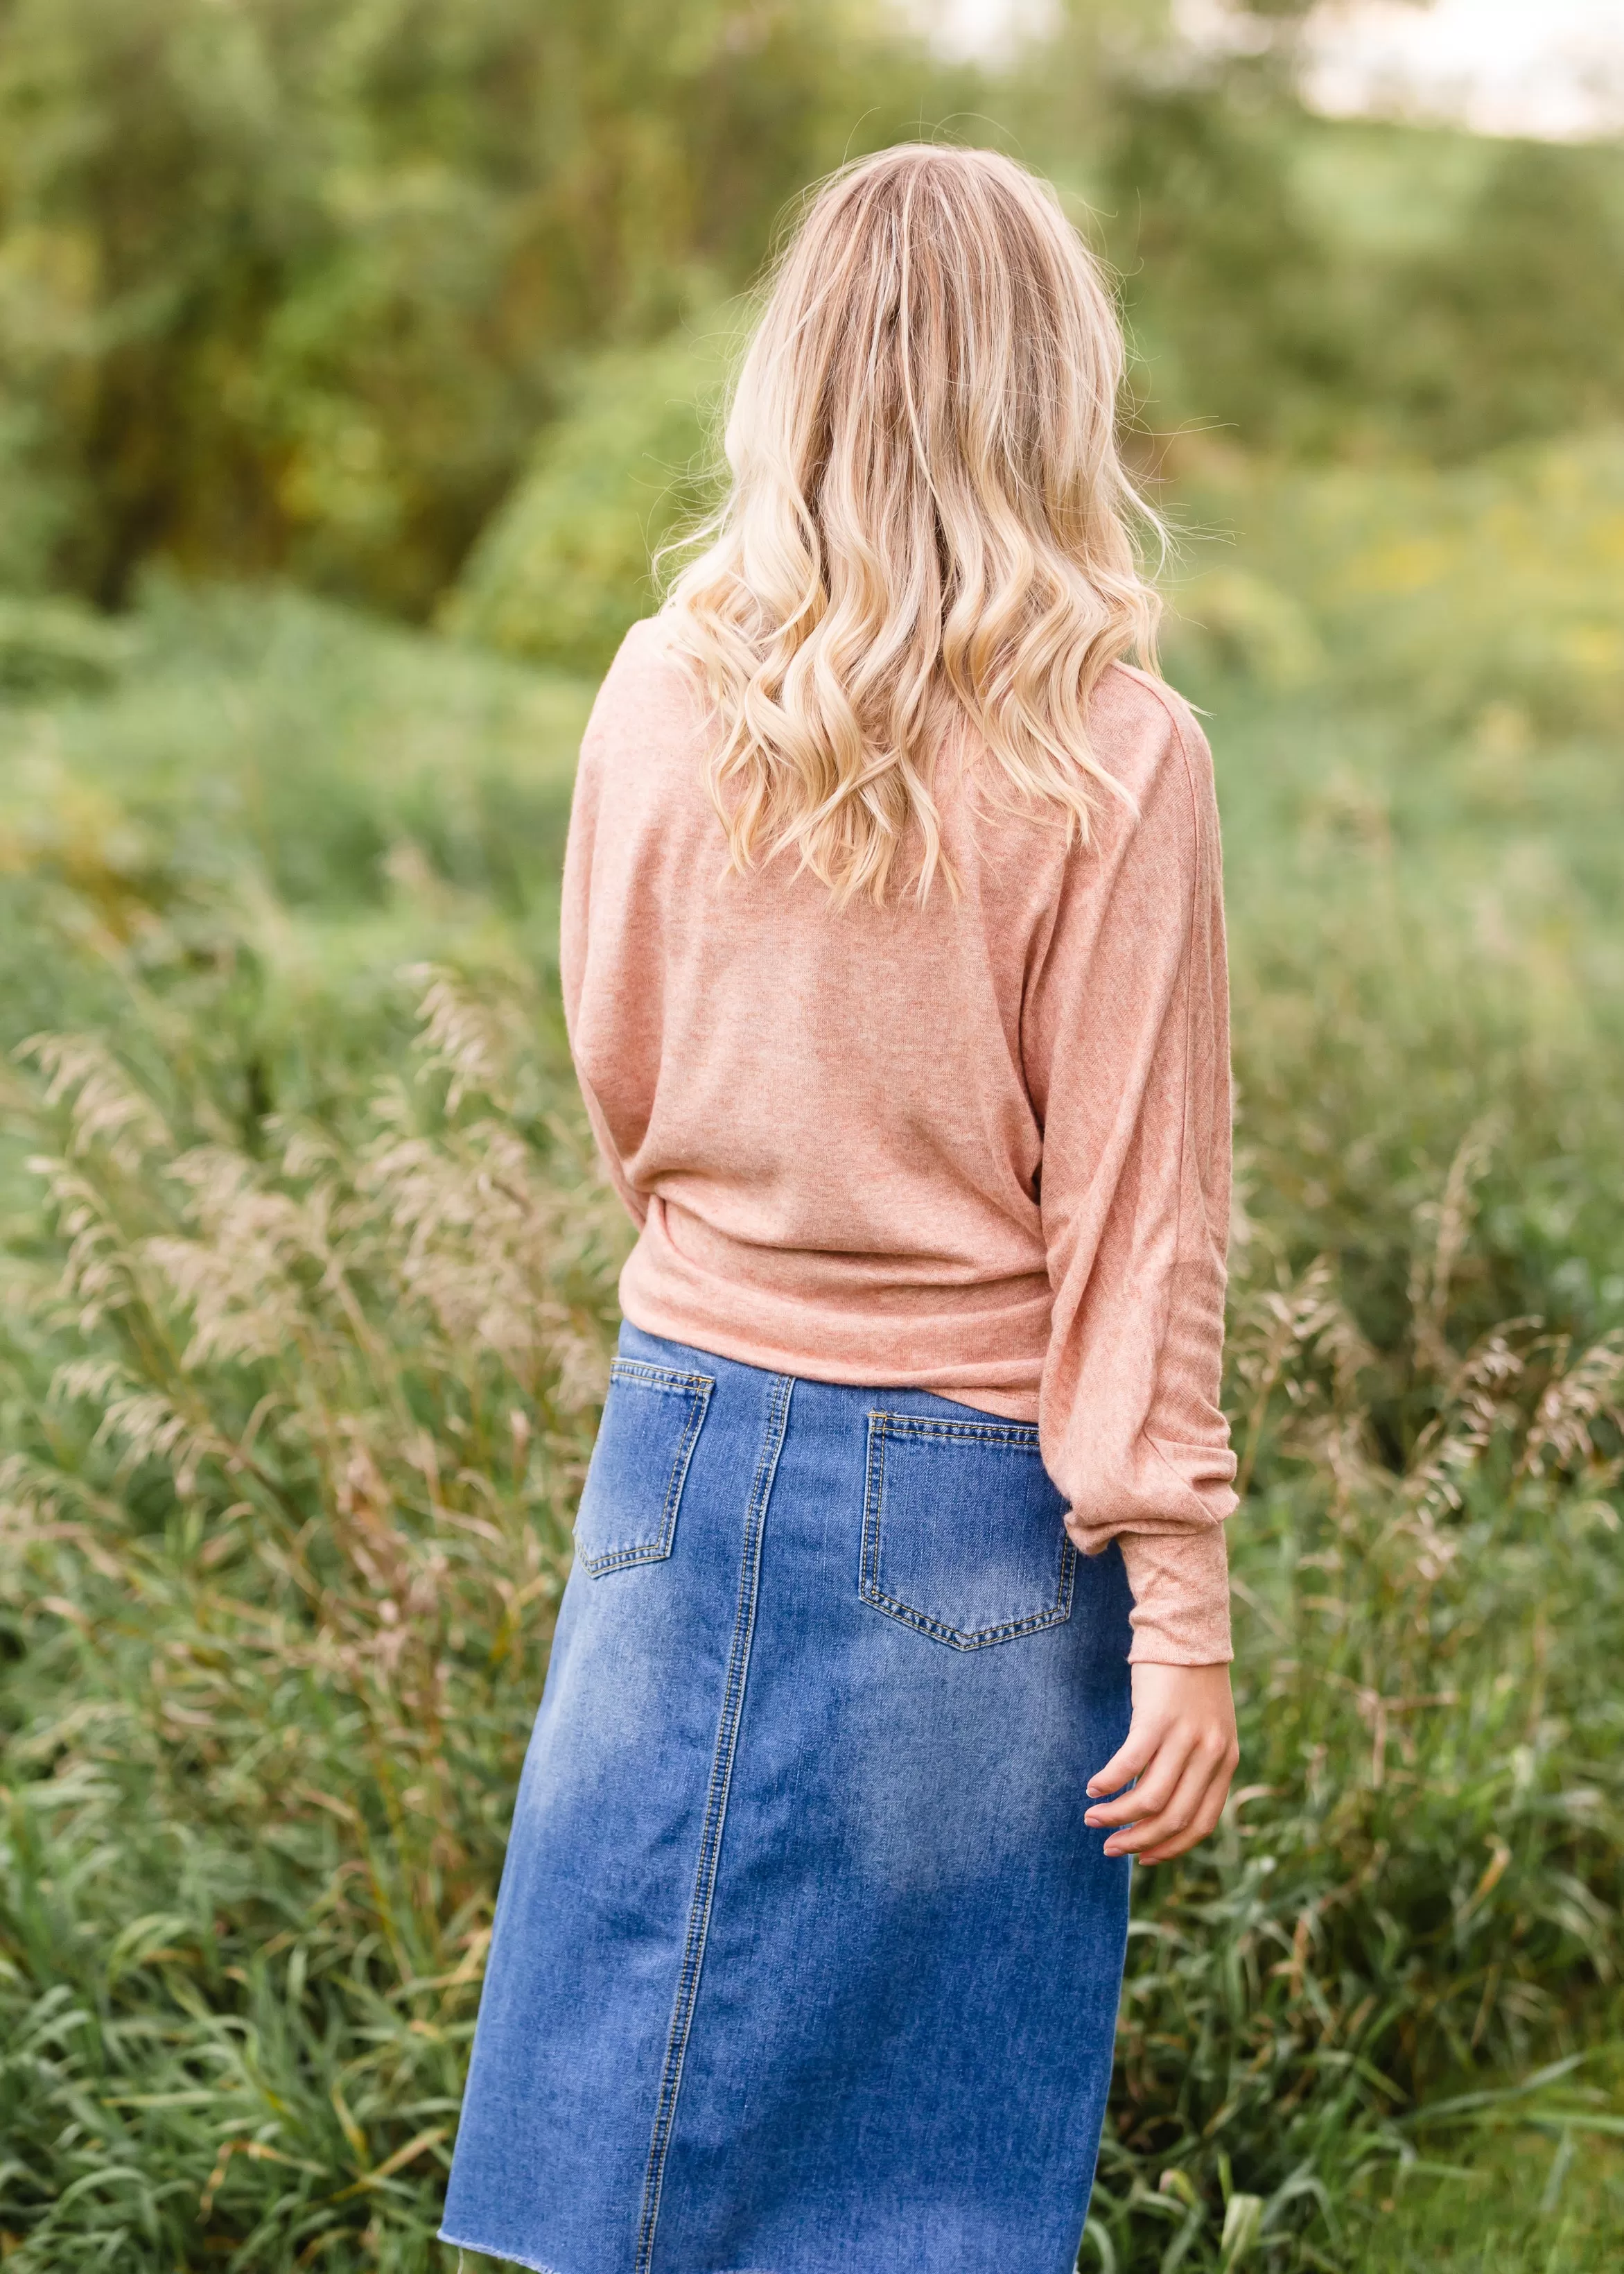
{"x": 652, "y": 1421}
{"x": 964, "y": 1534}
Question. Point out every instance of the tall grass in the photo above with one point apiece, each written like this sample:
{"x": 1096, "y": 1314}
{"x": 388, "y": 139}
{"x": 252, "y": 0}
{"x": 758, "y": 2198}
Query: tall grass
{"x": 283, "y": 1529}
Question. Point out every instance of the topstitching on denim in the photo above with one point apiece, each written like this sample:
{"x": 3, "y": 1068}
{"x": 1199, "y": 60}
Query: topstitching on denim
{"x": 716, "y": 1812}
{"x": 1018, "y": 1436}
{"x": 696, "y": 1387}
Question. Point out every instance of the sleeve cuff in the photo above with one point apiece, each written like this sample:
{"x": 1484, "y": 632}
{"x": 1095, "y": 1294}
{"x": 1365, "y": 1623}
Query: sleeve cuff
{"x": 1181, "y": 1596}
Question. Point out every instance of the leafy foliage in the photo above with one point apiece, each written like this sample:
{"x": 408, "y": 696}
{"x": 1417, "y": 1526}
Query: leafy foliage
{"x": 293, "y": 287}
{"x": 1254, "y": 310}
{"x": 565, "y": 566}
{"x": 288, "y": 285}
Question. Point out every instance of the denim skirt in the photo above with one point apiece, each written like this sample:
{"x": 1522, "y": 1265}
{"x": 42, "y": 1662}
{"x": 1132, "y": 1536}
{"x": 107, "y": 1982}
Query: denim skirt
{"x": 804, "y": 1960}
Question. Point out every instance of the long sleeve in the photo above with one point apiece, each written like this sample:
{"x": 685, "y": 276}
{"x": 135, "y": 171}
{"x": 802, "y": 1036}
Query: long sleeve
{"x": 1125, "y": 1035}
{"x": 574, "y": 950}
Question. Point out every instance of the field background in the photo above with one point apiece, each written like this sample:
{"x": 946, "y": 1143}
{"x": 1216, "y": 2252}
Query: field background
{"x": 352, "y": 358}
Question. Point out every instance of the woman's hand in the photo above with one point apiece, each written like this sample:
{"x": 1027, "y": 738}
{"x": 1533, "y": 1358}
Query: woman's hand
{"x": 1182, "y": 1749}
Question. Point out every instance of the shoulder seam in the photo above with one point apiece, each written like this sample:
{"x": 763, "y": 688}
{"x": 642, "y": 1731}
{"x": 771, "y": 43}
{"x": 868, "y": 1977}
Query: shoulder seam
{"x": 1170, "y": 701}
{"x": 1173, "y": 707}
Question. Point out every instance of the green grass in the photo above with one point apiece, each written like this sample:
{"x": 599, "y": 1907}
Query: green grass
{"x": 309, "y": 1293}
{"x": 229, "y": 848}
{"x": 1541, "y": 2197}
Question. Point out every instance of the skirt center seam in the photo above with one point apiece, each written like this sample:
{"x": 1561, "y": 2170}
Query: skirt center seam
{"x": 715, "y": 1816}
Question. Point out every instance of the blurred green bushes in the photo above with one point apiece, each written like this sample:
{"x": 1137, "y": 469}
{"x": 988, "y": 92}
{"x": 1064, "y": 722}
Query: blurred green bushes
{"x": 293, "y": 286}
{"x": 564, "y": 568}
{"x": 287, "y": 285}
{"x": 1270, "y": 295}
{"x": 227, "y": 847}
{"x": 1493, "y": 592}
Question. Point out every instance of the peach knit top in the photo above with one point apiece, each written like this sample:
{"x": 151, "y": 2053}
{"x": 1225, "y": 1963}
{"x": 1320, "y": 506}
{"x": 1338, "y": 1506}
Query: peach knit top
{"x": 979, "y": 1148}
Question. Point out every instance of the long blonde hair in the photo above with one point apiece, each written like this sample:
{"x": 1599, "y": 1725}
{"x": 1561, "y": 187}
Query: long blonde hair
{"x": 928, "y": 524}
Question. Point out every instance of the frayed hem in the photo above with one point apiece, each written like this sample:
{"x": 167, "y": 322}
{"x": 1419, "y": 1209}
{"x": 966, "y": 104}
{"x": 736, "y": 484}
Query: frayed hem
{"x": 509, "y": 2257}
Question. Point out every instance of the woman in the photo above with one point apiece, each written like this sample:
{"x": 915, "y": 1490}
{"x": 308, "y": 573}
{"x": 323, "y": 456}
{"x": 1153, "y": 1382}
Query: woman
{"x": 893, "y": 959}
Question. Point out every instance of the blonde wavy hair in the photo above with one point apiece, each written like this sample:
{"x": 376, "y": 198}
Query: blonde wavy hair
{"x": 929, "y": 526}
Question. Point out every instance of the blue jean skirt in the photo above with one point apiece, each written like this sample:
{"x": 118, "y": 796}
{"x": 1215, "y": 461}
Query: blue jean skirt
{"x": 804, "y": 1960}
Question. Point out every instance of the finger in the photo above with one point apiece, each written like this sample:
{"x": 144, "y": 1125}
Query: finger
{"x": 1204, "y": 1824}
{"x": 1168, "y": 1813}
{"x": 1201, "y": 1818}
{"x": 1206, "y": 1817}
{"x": 1147, "y": 1734}
{"x": 1131, "y": 1758}
{"x": 1152, "y": 1792}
